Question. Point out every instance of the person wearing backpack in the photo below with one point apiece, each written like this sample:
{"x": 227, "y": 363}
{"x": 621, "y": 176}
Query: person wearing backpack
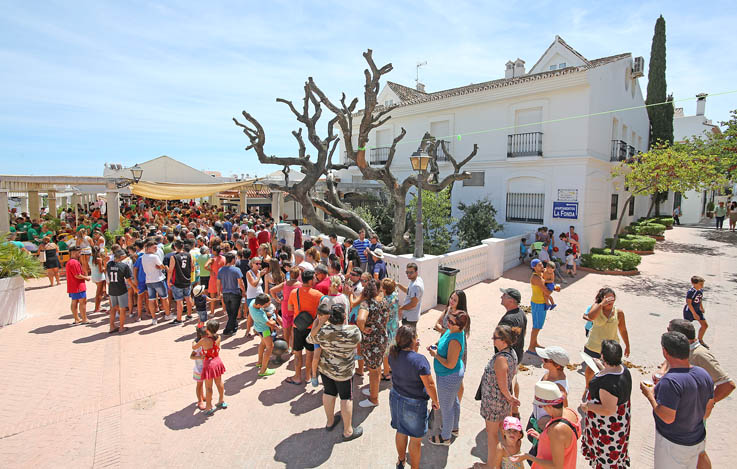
{"x": 303, "y": 303}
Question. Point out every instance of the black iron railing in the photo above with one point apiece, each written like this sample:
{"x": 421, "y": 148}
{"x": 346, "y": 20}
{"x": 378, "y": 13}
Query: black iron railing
{"x": 619, "y": 150}
{"x": 379, "y": 155}
{"x": 526, "y": 144}
{"x": 525, "y": 207}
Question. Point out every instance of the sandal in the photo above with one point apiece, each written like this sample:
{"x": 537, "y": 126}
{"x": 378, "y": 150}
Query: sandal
{"x": 222, "y": 405}
{"x": 385, "y": 377}
{"x": 455, "y": 432}
{"x": 291, "y": 381}
{"x": 400, "y": 464}
{"x": 439, "y": 441}
{"x": 336, "y": 421}
{"x": 210, "y": 412}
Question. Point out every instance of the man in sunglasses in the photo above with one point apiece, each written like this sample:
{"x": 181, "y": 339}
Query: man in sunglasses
{"x": 409, "y": 313}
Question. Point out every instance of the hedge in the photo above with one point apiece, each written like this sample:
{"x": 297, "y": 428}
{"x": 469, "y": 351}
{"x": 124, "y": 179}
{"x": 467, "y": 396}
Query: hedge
{"x": 600, "y": 259}
{"x": 632, "y": 243}
{"x": 655, "y": 229}
{"x": 667, "y": 221}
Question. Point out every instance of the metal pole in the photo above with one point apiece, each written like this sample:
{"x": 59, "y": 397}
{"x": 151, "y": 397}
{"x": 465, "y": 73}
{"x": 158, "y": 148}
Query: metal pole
{"x": 419, "y": 237}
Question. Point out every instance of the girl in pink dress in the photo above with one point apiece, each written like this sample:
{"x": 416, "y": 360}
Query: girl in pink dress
{"x": 212, "y": 367}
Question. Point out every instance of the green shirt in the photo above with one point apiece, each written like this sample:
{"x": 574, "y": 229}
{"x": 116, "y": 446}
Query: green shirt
{"x": 96, "y": 226}
{"x": 168, "y": 248}
{"x": 32, "y": 234}
{"x": 720, "y": 211}
{"x": 12, "y": 229}
{"x": 62, "y": 246}
{"x": 24, "y": 226}
{"x": 83, "y": 226}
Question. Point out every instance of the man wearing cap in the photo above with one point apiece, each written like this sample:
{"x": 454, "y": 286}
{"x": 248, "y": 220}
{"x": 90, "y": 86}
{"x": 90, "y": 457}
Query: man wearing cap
{"x": 511, "y": 298}
{"x": 537, "y": 303}
{"x": 374, "y": 244}
{"x": 558, "y": 443}
{"x": 379, "y": 266}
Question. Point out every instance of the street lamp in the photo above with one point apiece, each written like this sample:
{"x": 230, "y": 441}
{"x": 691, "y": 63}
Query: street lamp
{"x": 136, "y": 172}
{"x": 419, "y": 161}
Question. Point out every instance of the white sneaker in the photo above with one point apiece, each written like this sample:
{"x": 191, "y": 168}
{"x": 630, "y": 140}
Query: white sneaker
{"x": 366, "y": 391}
{"x": 167, "y": 317}
{"x": 367, "y": 403}
{"x": 154, "y": 321}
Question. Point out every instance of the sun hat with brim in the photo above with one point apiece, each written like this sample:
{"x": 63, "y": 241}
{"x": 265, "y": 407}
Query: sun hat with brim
{"x": 547, "y": 393}
{"x": 378, "y": 253}
{"x": 198, "y": 289}
{"x": 512, "y": 423}
{"x": 555, "y": 353}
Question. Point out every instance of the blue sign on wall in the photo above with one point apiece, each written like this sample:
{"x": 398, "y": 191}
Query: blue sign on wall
{"x": 565, "y": 210}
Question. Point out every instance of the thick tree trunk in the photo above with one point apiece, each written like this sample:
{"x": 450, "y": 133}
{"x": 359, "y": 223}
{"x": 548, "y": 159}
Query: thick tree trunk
{"x": 401, "y": 246}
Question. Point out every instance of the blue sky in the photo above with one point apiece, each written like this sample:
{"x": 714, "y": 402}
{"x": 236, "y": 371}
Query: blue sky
{"x": 84, "y": 83}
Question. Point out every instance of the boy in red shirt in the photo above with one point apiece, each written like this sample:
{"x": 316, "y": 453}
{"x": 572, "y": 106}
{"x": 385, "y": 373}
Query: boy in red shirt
{"x": 76, "y": 287}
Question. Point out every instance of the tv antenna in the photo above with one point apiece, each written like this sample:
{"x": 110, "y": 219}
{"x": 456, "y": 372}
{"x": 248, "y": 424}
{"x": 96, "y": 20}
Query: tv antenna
{"x": 417, "y": 72}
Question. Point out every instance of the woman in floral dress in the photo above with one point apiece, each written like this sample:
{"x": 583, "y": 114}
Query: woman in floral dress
{"x": 496, "y": 386}
{"x": 373, "y": 314}
{"x": 606, "y": 426}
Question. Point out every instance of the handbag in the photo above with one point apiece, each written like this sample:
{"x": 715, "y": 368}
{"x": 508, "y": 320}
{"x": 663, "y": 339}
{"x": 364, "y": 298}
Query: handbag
{"x": 42, "y": 256}
{"x": 303, "y": 320}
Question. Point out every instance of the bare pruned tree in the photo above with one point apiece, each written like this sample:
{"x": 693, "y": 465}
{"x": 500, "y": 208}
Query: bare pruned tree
{"x": 371, "y": 117}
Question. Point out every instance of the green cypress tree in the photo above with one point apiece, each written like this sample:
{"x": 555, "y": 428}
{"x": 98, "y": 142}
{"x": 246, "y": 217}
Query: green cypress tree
{"x": 661, "y": 115}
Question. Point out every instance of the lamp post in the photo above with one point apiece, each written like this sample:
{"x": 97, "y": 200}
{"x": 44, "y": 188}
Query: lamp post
{"x": 419, "y": 161}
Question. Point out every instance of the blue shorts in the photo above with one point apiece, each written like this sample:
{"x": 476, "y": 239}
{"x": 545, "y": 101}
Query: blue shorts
{"x": 550, "y": 286}
{"x": 179, "y": 293}
{"x": 157, "y": 288}
{"x": 688, "y": 316}
{"x": 78, "y": 296}
{"x": 202, "y": 315}
{"x": 409, "y": 416}
{"x": 142, "y": 288}
{"x": 538, "y": 315}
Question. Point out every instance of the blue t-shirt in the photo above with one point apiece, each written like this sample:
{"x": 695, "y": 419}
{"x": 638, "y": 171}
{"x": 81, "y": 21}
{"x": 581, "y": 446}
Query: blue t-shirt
{"x": 228, "y": 277}
{"x": 687, "y": 391}
{"x": 361, "y": 246}
{"x": 228, "y": 228}
{"x": 259, "y": 318}
{"x": 380, "y": 268}
{"x": 141, "y": 273}
{"x": 695, "y": 296}
{"x": 443, "y": 345}
{"x": 407, "y": 368}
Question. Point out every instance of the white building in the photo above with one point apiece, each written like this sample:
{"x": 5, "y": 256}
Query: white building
{"x": 547, "y": 139}
{"x": 693, "y": 204}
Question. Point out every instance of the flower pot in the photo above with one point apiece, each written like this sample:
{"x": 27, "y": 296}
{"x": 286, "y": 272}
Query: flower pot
{"x": 709, "y": 215}
{"x": 12, "y": 299}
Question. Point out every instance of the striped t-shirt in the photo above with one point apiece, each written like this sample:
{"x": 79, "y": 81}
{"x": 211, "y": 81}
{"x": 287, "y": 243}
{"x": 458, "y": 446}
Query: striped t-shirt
{"x": 361, "y": 246}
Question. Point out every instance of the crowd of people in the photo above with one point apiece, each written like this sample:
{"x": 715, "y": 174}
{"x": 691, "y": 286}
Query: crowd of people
{"x": 332, "y": 306}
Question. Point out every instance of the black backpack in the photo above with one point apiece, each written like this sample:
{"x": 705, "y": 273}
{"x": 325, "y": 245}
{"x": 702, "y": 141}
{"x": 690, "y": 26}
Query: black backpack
{"x": 303, "y": 320}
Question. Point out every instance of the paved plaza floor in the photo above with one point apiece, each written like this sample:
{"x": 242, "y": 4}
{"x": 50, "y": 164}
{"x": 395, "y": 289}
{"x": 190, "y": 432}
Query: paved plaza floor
{"x": 75, "y": 396}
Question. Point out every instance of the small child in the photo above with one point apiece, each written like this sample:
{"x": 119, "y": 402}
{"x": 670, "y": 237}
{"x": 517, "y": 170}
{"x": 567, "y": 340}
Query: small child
{"x": 570, "y": 263}
{"x": 198, "y": 363}
{"x": 510, "y": 445}
{"x": 212, "y": 366}
{"x": 694, "y": 309}
{"x": 522, "y": 249}
{"x": 200, "y": 302}
{"x": 322, "y": 310}
{"x": 549, "y": 279}
{"x": 263, "y": 324}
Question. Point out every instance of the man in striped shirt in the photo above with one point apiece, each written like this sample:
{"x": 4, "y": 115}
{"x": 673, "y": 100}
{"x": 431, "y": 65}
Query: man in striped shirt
{"x": 362, "y": 246}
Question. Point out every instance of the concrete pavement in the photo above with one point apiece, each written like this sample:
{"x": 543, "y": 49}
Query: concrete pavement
{"x": 76, "y": 396}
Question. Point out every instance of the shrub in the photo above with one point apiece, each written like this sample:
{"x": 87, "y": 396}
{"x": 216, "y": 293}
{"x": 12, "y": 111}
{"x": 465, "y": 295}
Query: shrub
{"x": 667, "y": 221}
{"x": 632, "y": 243}
{"x": 654, "y": 229}
{"x": 600, "y": 259}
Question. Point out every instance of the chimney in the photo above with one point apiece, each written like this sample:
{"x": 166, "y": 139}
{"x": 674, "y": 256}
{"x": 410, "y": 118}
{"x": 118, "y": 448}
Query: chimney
{"x": 701, "y": 103}
{"x": 420, "y": 87}
{"x": 509, "y": 71}
{"x": 519, "y": 67}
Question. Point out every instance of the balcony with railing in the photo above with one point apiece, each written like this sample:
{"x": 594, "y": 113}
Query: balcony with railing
{"x": 442, "y": 156}
{"x": 620, "y": 150}
{"x": 526, "y": 144}
{"x": 378, "y": 156}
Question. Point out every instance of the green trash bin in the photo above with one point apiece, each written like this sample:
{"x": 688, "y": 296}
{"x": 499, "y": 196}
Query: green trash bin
{"x": 446, "y": 283}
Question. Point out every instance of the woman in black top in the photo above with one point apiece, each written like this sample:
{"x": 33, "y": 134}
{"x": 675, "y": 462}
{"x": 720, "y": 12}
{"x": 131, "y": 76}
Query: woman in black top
{"x": 606, "y": 428}
{"x": 51, "y": 264}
